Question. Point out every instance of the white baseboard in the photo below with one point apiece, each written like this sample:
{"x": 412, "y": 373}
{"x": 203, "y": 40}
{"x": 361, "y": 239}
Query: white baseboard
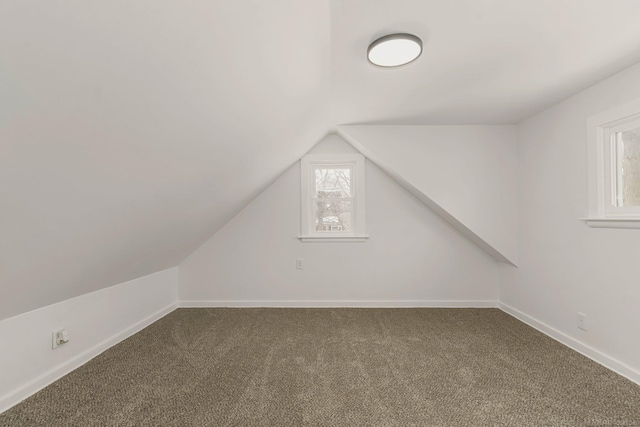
{"x": 18, "y": 395}
{"x": 37, "y": 384}
{"x": 590, "y": 352}
{"x": 340, "y": 303}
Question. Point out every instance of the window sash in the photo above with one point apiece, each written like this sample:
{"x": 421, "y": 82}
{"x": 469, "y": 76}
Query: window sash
{"x": 612, "y": 173}
{"x": 350, "y": 167}
{"x": 310, "y": 164}
{"x": 351, "y": 211}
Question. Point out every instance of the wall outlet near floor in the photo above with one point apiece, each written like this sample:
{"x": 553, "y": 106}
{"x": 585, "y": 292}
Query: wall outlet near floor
{"x": 60, "y": 337}
{"x": 300, "y": 263}
{"x": 582, "y": 321}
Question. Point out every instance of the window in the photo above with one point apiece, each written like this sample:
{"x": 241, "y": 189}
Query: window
{"x": 332, "y": 198}
{"x": 614, "y": 168}
{"x": 625, "y": 168}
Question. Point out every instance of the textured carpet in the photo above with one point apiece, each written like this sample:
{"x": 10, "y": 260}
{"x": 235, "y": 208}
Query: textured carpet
{"x": 335, "y": 367}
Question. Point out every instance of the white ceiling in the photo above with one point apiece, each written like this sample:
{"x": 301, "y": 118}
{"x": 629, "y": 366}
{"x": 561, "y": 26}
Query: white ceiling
{"x": 130, "y": 131}
{"x": 483, "y": 62}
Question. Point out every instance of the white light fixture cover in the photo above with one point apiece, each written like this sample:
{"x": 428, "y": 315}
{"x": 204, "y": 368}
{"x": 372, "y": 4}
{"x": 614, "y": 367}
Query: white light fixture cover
{"x": 394, "y": 50}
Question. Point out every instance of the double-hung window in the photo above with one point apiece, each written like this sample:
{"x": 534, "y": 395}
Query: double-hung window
{"x": 332, "y": 198}
{"x": 614, "y": 168}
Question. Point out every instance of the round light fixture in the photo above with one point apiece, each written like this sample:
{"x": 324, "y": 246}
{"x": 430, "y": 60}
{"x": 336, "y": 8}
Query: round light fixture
{"x": 394, "y": 50}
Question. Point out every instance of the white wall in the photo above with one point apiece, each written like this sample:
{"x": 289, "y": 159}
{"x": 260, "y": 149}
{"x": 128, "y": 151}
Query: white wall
{"x": 467, "y": 174}
{"x": 121, "y": 154}
{"x": 566, "y": 267}
{"x": 412, "y": 256}
{"x": 95, "y": 322}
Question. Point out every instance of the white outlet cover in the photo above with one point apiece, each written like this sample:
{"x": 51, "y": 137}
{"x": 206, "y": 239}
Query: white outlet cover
{"x": 582, "y": 321}
{"x": 54, "y": 341}
{"x": 59, "y": 337}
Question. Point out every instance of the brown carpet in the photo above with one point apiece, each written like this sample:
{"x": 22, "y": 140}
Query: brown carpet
{"x": 335, "y": 367}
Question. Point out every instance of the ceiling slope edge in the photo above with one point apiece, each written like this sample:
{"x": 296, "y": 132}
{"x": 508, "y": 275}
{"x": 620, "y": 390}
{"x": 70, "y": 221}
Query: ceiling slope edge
{"x": 352, "y": 134}
{"x": 326, "y": 132}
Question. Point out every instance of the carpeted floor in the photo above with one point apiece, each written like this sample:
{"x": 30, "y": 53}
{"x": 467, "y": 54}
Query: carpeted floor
{"x": 335, "y": 367}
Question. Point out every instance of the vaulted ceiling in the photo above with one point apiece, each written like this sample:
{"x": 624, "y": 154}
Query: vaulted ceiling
{"x": 130, "y": 131}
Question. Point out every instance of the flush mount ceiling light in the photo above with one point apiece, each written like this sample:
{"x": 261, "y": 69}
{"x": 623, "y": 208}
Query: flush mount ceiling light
{"x": 394, "y": 50}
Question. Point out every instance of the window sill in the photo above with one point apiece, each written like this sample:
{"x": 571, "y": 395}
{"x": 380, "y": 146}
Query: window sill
{"x": 333, "y": 239}
{"x": 612, "y": 222}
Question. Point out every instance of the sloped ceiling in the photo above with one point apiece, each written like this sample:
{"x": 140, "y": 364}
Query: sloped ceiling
{"x": 466, "y": 174}
{"x": 130, "y": 131}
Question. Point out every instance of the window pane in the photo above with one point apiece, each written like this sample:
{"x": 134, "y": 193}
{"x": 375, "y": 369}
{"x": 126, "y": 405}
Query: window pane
{"x": 333, "y": 182}
{"x": 627, "y": 162}
{"x": 332, "y": 215}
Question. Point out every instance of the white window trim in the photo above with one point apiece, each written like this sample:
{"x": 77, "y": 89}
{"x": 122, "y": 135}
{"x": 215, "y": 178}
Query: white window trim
{"x": 602, "y": 213}
{"x": 308, "y": 233}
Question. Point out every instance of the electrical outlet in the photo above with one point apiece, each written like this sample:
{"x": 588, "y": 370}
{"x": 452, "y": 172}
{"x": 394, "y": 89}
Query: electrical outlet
{"x": 59, "y": 338}
{"x": 300, "y": 263}
{"x": 582, "y": 321}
